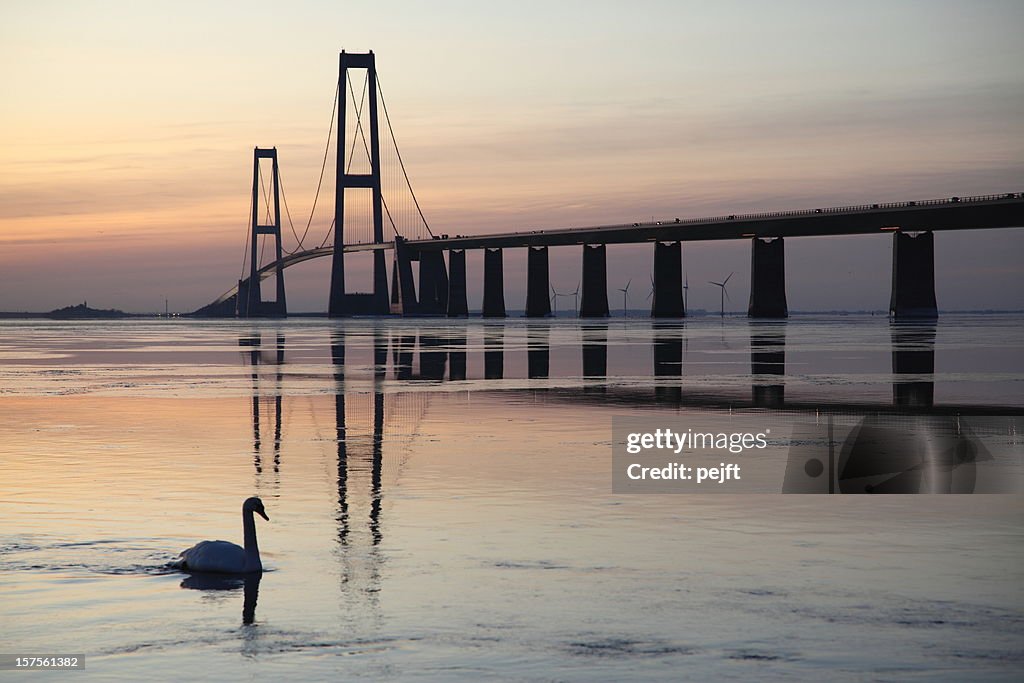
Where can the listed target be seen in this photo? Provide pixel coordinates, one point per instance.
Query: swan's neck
(252, 549)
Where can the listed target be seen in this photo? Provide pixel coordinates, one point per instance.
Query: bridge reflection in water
(910, 444)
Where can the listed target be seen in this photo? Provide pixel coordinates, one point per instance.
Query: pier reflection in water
(917, 453)
(457, 357)
(768, 359)
(905, 446)
(668, 343)
(595, 357)
(494, 351)
(908, 448)
(538, 352)
(913, 353)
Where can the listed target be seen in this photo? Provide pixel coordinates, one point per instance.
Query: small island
(82, 312)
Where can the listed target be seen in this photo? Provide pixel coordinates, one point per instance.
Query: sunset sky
(126, 134)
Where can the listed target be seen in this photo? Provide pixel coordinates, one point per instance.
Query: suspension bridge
(376, 210)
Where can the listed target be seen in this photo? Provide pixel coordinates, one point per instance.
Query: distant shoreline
(637, 314)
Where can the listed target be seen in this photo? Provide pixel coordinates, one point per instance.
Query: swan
(224, 557)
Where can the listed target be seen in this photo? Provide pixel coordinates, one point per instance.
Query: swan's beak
(263, 514)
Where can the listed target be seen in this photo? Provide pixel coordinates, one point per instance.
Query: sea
(442, 504)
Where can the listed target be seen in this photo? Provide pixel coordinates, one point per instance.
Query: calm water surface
(441, 504)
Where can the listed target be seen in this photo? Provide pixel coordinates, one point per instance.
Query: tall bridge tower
(343, 303)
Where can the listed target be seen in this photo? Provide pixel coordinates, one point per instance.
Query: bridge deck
(990, 211)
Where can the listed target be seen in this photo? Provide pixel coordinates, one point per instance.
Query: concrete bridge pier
(767, 278)
(538, 303)
(458, 306)
(594, 299)
(667, 301)
(433, 299)
(913, 276)
(403, 288)
(494, 284)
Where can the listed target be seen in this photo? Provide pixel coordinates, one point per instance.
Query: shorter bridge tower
(250, 301)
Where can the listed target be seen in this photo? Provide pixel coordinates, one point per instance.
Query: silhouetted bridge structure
(440, 288)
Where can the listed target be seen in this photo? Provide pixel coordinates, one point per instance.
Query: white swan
(224, 557)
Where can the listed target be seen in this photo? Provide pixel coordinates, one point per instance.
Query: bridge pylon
(249, 302)
(767, 278)
(341, 302)
(913, 275)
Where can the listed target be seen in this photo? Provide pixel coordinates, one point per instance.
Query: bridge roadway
(989, 211)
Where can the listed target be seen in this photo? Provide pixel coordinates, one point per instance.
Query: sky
(127, 129)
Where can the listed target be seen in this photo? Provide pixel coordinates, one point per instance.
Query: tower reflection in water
(359, 439)
(256, 356)
(361, 454)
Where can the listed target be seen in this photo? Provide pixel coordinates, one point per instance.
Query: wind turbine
(555, 294)
(625, 294)
(686, 286)
(686, 280)
(576, 298)
(554, 300)
(725, 294)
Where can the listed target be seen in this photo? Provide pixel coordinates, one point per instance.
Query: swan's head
(254, 504)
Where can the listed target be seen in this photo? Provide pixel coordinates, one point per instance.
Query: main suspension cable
(288, 213)
(323, 165)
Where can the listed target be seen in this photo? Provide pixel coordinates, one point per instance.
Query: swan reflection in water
(250, 583)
